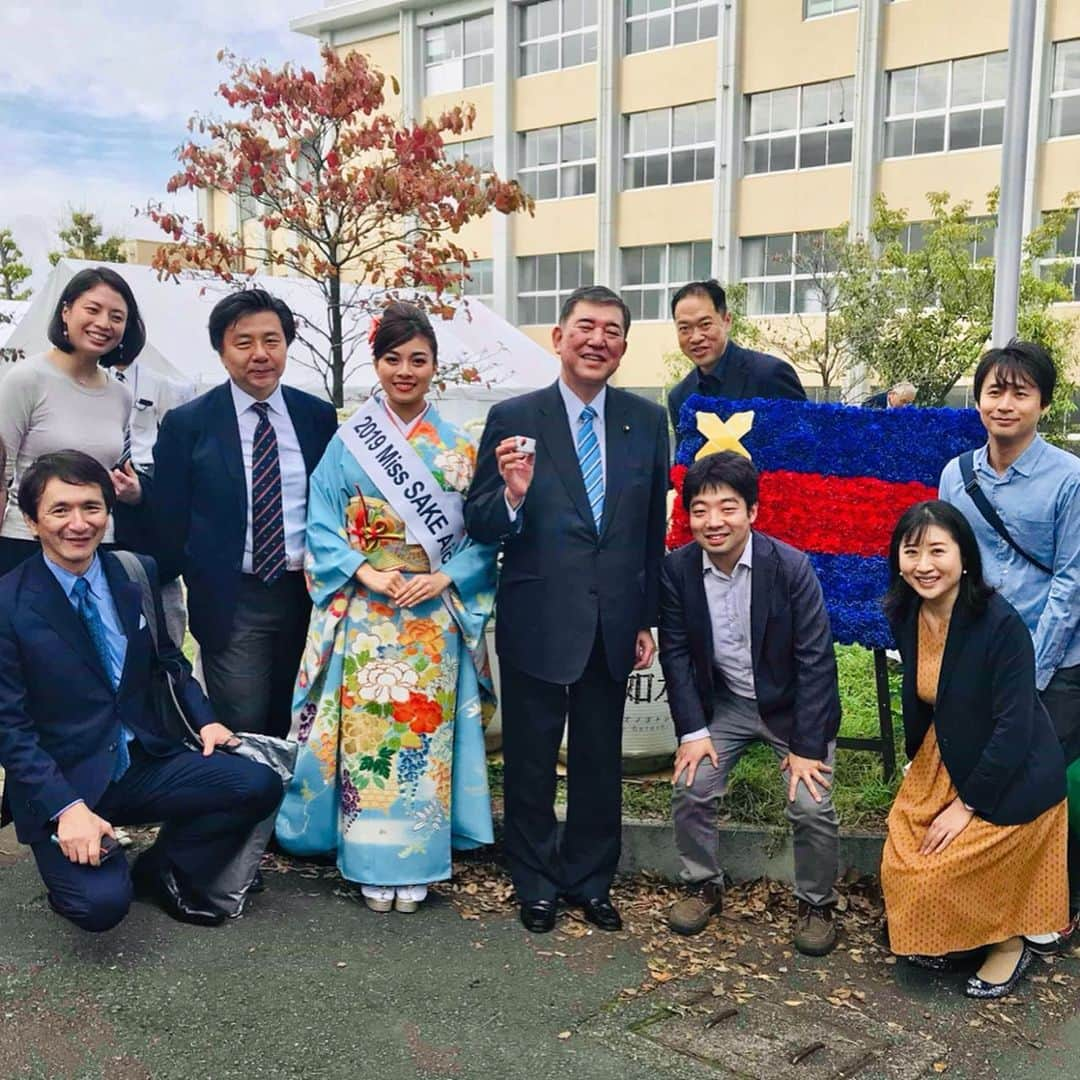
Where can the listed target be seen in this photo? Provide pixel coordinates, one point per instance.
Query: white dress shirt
(294, 478)
(727, 597)
(152, 396)
(574, 405)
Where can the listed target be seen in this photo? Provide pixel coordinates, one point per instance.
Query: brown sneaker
(815, 931)
(691, 915)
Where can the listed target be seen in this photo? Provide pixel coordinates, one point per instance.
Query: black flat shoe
(164, 890)
(978, 988)
(601, 912)
(538, 916)
(931, 963)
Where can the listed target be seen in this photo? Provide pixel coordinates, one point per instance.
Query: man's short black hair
(70, 466)
(716, 470)
(595, 294)
(711, 288)
(229, 310)
(131, 344)
(1019, 361)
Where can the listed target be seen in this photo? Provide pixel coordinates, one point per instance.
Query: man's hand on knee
(810, 771)
(79, 831)
(690, 755)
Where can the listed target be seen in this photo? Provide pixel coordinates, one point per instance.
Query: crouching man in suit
(79, 743)
(748, 656)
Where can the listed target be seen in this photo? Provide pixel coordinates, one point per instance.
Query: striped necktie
(267, 513)
(592, 469)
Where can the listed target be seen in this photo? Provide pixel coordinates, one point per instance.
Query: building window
(556, 34)
(1065, 95)
(913, 238)
(459, 54)
(813, 8)
(954, 105)
(480, 284)
(777, 273)
(801, 127)
(480, 153)
(558, 162)
(669, 146)
(1067, 253)
(650, 275)
(545, 281)
(656, 24)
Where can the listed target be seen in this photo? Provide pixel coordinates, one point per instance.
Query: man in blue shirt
(81, 748)
(1034, 490)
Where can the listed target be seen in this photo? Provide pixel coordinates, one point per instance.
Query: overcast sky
(95, 95)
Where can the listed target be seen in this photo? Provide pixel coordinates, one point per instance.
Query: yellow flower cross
(723, 434)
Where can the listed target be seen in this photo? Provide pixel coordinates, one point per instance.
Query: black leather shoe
(538, 916)
(164, 890)
(258, 883)
(601, 912)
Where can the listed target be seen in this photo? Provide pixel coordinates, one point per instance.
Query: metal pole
(1014, 164)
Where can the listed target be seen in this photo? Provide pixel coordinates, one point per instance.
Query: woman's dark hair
(131, 344)
(71, 466)
(912, 526)
(1019, 361)
(401, 322)
(716, 470)
(711, 289)
(231, 309)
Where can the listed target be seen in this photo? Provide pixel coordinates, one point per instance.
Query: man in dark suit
(748, 657)
(581, 522)
(81, 749)
(229, 497)
(722, 368)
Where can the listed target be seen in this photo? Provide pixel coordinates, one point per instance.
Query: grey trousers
(174, 610)
(736, 724)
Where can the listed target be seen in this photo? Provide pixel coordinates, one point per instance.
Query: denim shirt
(1038, 499)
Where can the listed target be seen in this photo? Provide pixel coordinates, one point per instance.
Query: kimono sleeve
(330, 561)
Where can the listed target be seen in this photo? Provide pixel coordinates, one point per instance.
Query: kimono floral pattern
(390, 701)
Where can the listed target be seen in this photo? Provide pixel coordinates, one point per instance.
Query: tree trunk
(337, 355)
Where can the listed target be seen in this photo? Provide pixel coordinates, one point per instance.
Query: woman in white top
(63, 399)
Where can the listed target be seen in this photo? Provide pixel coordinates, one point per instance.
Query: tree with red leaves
(344, 193)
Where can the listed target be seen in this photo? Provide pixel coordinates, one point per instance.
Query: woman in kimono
(391, 771)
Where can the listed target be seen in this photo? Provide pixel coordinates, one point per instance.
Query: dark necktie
(267, 513)
(88, 612)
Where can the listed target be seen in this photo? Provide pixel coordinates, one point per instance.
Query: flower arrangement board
(834, 481)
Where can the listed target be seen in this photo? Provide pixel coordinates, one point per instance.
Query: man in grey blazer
(748, 657)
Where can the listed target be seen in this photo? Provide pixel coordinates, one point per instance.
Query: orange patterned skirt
(991, 883)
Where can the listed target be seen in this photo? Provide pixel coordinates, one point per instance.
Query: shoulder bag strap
(982, 504)
(136, 572)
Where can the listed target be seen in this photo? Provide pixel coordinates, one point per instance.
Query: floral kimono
(391, 771)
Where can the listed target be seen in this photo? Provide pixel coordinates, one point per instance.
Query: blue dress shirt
(1038, 499)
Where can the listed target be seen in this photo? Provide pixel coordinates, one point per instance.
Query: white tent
(11, 313)
(176, 314)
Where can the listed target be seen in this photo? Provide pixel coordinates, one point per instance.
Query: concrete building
(671, 139)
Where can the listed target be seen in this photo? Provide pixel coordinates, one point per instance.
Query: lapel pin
(626, 427)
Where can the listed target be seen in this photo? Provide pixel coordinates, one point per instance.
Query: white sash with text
(434, 517)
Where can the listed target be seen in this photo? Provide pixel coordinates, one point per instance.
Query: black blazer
(559, 576)
(59, 714)
(741, 373)
(795, 676)
(199, 498)
(995, 736)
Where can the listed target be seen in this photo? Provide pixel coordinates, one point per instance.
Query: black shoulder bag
(166, 680)
(982, 503)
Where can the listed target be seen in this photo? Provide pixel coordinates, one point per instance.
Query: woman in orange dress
(975, 853)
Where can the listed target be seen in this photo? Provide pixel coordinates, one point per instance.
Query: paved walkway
(311, 984)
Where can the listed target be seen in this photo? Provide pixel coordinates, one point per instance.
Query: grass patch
(755, 794)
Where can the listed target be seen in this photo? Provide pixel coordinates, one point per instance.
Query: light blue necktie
(88, 612)
(592, 469)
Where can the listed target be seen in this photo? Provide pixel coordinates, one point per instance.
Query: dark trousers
(1062, 700)
(534, 713)
(208, 807)
(250, 682)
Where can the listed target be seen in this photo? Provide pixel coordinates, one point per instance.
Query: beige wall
(1059, 172)
(480, 96)
(664, 215)
(1063, 19)
(924, 31)
(665, 77)
(964, 174)
(559, 225)
(555, 97)
(796, 50)
(794, 201)
(477, 236)
(385, 54)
